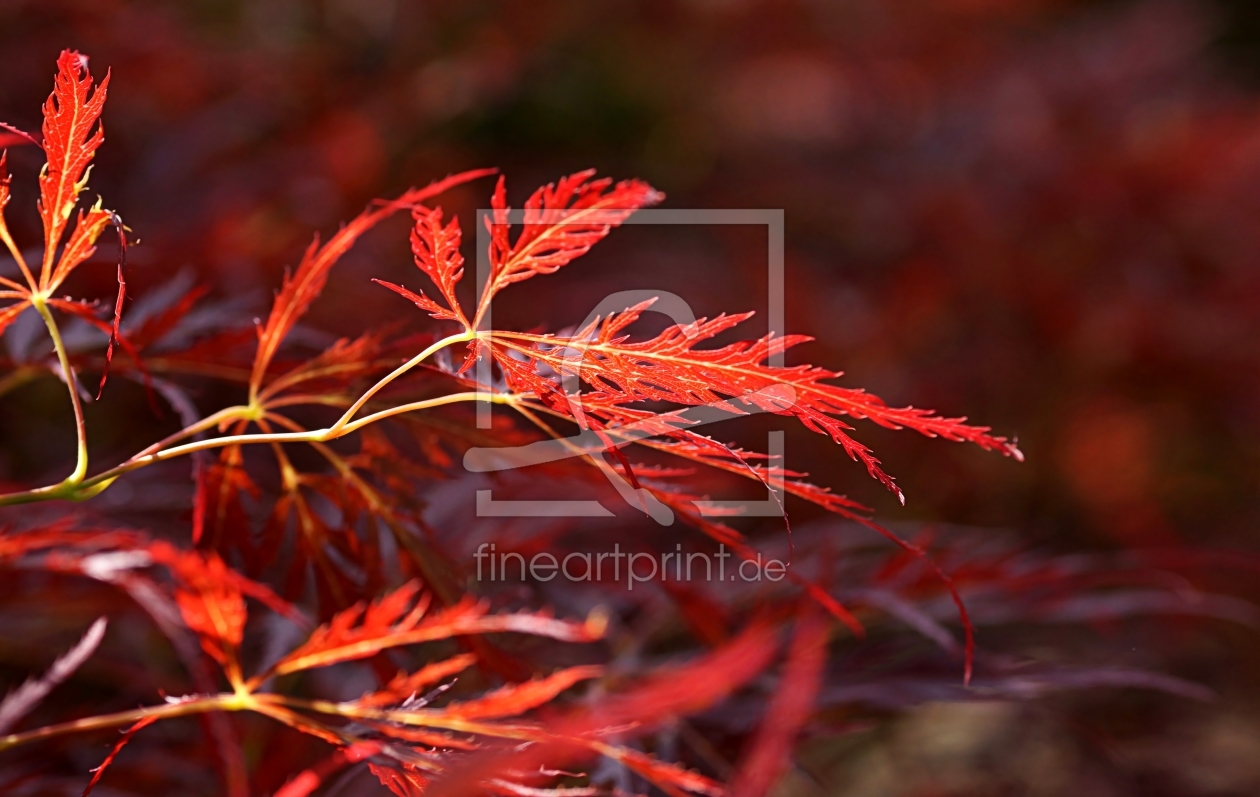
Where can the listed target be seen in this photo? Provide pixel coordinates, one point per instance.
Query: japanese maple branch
(221, 702)
(223, 416)
(77, 487)
(416, 717)
(17, 256)
(265, 704)
(345, 419)
(93, 486)
(81, 464)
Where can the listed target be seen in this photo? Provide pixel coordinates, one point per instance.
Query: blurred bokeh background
(1042, 213)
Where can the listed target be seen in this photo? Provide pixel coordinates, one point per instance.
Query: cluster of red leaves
(325, 528)
(561, 222)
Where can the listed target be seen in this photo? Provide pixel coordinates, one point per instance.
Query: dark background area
(1041, 214)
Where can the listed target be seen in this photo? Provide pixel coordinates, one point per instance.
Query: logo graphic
(588, 443)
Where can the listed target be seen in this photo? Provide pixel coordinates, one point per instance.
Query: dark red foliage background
(1042, 214)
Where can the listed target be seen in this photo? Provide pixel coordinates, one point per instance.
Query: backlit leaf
(72, 134)
(307, 281)
(399, 619)
(562, 221)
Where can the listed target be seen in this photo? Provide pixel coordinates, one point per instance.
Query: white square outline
(776, 314)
